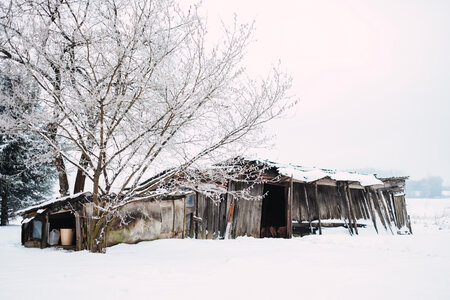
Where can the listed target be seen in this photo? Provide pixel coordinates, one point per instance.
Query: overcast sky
(373, 78)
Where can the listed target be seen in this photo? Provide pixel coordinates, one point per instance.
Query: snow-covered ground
(332, 266)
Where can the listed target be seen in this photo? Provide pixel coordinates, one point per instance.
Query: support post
(352, 210)
(317, 206)
(78, 232)
(307, 208)
(349, 212)
(289, 209)
(183, 234)
(45, 228)
(229, 220)
(369, 203)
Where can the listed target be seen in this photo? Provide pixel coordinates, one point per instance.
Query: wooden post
(376, 204)
(397, 212)
(352, 210)
(307, 208)
(390, 208)
(45, 229)
(409, 225)
(349, 213)
(78, 232)
(229, 220)
(317, 206)
(183, 234)
(372, 213)
(196, 215)
(173, 217)
(383, 206)
(289, 209)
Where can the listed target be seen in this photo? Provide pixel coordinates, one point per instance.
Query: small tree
(132, 87)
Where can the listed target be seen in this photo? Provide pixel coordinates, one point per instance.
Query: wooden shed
(284, 200)
(295, 200)
(147, 218)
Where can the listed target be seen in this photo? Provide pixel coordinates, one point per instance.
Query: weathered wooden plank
(376, 203)
(247, 214)
(178, 216)
(216, 210)
(296, 206)
(384, 210)
(349, 209)
(365, 204)
(372, 213)
(309, 217)
(202, 214)
(184, 218)
(299, 193)
(223, 216)
(318, 210)
(45, 230)
(289, 209)
(210, 218)
(167, 216)
(229, 219)
(78, 237)
(325, 224)
(388, 203)
(355, 204)
(352, 211)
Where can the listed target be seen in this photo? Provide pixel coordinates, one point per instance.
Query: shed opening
(273, 218)
(60, 221)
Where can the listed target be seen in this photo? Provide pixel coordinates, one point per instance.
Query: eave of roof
(312, 174)
(48, 203)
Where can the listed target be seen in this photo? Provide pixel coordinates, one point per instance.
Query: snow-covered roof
(311, 174)
(45, 204)
(162, 192)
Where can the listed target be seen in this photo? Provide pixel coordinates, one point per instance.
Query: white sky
(372, 78)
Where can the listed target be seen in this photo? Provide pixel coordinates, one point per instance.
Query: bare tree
(130, 87)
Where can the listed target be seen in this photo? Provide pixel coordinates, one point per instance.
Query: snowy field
(332, 266)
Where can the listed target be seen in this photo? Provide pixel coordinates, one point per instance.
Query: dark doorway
(273, 219)
(62, 220)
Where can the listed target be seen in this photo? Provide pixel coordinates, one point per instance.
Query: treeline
(429, 187)
(27, 172)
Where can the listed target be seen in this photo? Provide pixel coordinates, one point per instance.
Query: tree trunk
(59, 163)
(4, 213)
(62, 175)
(81, 177)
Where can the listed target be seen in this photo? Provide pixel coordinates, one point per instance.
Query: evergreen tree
(26, 173)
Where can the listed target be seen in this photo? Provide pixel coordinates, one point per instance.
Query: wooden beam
(369, 203)
(307, 207)
(230, 219)
(352, 210)
(325, 224)
(331, 182)
(183, 235)
(349, 213)
(383, 207)
(78, 238)
(316, 193)
(45, 229)
(289, 209)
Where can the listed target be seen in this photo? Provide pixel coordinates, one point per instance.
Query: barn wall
(146, 221)
(342, 202)
(247, 213)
